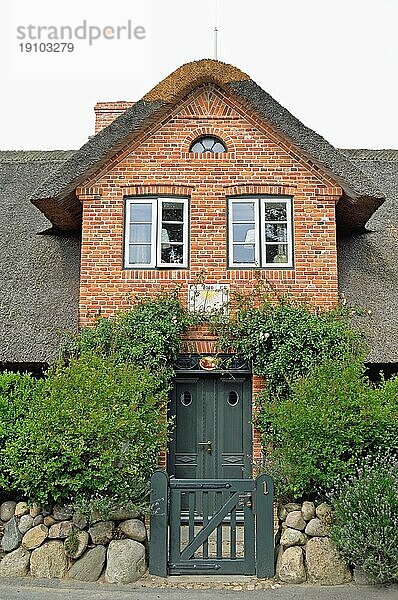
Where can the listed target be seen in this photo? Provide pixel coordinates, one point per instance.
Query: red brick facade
(258, 161)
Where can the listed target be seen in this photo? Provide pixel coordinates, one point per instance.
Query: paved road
(26, 589)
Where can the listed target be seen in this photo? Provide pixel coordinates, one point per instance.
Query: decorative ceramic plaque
(207, 298)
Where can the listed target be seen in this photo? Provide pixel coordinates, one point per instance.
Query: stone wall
(304, 549)
(56, 542)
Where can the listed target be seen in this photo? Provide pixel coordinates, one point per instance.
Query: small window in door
(233, 398)
(186, 398)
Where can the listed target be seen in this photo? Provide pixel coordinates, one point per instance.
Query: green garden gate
(211, 526)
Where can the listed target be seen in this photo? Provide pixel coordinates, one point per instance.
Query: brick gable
(258, 161)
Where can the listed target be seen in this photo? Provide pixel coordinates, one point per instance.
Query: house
(209, 179)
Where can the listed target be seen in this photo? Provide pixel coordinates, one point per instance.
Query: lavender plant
(365, 525)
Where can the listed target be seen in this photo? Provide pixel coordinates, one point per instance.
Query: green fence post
(158, 547)
(265, 527)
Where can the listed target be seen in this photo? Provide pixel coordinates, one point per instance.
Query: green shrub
(332, 418)
(286, 340)
(148, 334)
(17, 392)
(365, 525)
(95, 429)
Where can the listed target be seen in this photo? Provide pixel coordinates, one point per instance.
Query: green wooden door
(212, 435)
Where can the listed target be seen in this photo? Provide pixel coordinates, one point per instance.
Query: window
(260, 232)
(208, 145)
(156, 232)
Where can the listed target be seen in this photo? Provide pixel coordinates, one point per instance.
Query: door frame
(189, 367)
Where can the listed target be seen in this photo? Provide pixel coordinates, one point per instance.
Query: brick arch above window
(208, 132)
(277, 189)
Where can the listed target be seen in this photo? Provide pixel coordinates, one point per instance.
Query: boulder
(21, 509)
(79, 520)
(282, 512)
(102, 532)
(81, 538)
(61, 529)
(49, 520)
(295, 520)
(308, 510)
(125, 561)
(95, 516)
(291, 566)
(7, 510)
(293, 537)
(122, 514)
(35, 510)
(35, 537)
(89, 567)
(62, 513)
(25, 523)
(15, 564)
(134, 529)
(290, 506)
(11, 535)
(323, 511)
(316, 528)
(324, 564)
(49, 561)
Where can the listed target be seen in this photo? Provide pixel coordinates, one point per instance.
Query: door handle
(209, 449)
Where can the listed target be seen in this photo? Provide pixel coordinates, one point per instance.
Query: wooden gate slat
(203, 535)
(233, 533)
(191, 516)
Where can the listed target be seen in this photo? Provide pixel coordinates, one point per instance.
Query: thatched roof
(39, 273)
(368, 262)
(56, 196)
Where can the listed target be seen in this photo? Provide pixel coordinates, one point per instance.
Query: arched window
(208, 144)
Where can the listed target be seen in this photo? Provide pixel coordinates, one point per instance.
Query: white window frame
(289, 230)
(246, 200)
(184, 202)
(259, 234)
(156, 233)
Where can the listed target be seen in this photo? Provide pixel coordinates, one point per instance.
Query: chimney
(106, 112)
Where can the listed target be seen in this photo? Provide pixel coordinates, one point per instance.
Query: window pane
(140, 254)
(172, 254)
(243, 211)
(243, 254)
(275, 211)
(208, 143)
(277, 253)
(218, 147)
(244, 233)
(141, 213)
(172, 211)
(276, 232)
(140, 232)
(172, 233)
(197, 147)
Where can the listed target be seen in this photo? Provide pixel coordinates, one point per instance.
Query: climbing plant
(148, 335)
(284, 339)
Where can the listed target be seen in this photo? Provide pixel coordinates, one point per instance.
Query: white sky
(332, 63)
